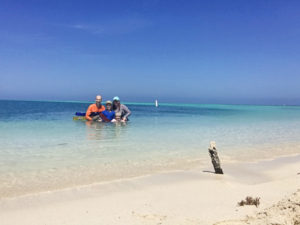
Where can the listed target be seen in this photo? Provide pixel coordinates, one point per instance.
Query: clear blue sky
(242, 51)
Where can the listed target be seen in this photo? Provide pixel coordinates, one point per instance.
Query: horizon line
(150, 103)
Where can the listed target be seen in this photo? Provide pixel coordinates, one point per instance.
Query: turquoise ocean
(43, 149)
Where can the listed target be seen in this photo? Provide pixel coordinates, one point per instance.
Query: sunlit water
(42, 148)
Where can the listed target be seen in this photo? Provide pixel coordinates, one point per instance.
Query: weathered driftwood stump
(215, 158)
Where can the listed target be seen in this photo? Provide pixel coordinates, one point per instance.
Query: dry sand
(181, 197)
(286, 211)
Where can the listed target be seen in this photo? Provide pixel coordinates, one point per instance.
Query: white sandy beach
(181, 197)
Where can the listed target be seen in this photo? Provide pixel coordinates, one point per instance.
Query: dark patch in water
(62, 144)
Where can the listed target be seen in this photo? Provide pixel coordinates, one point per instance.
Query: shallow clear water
(42, 148)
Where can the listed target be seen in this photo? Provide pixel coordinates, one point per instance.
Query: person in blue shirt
(108, 114)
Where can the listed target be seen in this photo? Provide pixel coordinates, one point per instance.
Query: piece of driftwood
(215, 158)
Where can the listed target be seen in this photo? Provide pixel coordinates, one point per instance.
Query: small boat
(79, 116)
(156, 103)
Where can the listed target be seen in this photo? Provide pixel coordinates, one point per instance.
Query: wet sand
(195, 196)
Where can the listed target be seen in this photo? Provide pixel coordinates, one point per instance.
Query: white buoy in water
(156, 103)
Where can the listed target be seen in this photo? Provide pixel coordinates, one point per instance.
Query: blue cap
(116, 98)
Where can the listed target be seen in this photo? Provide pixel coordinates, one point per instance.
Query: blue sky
(177, 51)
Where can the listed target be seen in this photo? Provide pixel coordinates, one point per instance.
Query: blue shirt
(109, 115)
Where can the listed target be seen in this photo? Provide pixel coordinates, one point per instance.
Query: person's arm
(127, 112)
(113, 117)
(103, 116)
(88, 113)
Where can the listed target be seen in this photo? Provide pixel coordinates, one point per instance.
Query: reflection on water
(104, 131)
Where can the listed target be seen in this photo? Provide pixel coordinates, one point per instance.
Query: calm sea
(42, 148)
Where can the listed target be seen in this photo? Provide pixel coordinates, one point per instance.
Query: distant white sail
(156, 103)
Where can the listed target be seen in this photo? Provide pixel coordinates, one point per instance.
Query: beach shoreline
(195, 196)
(43, 149)
(70, 180)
